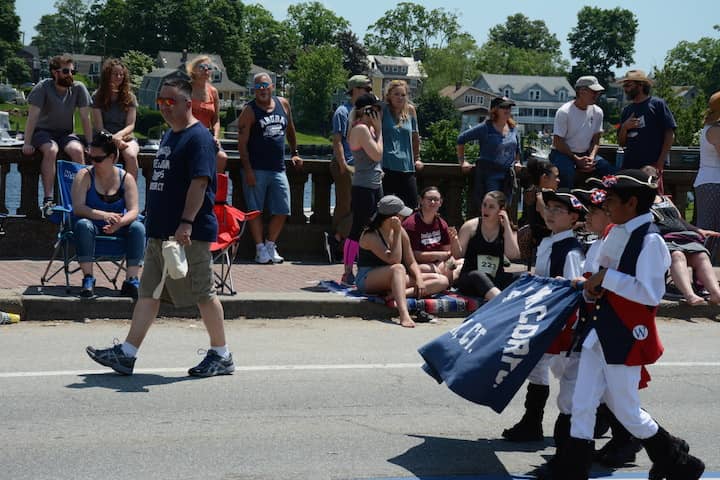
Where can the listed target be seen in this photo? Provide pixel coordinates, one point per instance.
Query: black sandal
(423, 317)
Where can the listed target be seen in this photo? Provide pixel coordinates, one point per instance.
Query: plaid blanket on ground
(448, 302)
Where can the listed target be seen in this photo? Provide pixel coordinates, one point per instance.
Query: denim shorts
(41, 137)
(271, 192)
(362, 273)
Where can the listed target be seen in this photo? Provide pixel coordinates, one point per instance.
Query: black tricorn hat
(590, 198)
(631, 179)
(567, 199)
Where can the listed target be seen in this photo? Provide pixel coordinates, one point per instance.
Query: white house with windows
(471, 102)
(383, 69)
(536, 98)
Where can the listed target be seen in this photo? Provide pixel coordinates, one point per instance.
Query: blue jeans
(85, 232)
(566, 167)
(489, 177)
(270, 193)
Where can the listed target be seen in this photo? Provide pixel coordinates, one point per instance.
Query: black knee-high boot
(561, 434)
(574, 460)
(529, 428)
(670, 458)
(621, 448)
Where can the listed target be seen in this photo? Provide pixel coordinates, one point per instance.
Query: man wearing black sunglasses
(51, 121)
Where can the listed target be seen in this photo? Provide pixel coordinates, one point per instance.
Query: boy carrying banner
(559, 255)
(623, 337)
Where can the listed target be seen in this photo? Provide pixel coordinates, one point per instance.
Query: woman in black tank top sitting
(484, 242)
(386, 262)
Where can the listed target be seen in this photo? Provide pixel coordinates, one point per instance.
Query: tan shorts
(197, 287)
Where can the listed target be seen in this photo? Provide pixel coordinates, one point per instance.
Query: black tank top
(477, 245)
(366, 258)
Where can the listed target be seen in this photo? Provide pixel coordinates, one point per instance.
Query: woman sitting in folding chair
(104, 203)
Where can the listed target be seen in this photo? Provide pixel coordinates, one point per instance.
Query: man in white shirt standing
(576, 134)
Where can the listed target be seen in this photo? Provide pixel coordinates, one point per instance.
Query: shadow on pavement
(437, 456)
(136, 383)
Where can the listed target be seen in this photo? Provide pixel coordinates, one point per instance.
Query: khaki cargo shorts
(198, 285)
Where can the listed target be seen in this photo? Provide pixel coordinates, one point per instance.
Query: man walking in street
(180, 203)
(341, 174)
(262, 127)
(51, 121)
(576, 134)
(647, 126)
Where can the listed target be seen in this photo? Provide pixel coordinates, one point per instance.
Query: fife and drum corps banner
(488, 357)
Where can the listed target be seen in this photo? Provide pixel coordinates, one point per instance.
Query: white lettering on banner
(517, 293)
(537, 296)
(469, 337)
(518, 345)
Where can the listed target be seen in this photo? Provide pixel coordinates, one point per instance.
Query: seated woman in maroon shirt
(430, 237)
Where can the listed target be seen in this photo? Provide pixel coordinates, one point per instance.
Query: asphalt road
(312, 399)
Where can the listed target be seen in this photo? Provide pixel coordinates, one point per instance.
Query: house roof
(414, 66)
(30, 50)
(255, 69)
(520, 83)
(161, 72)
(78, 57)
(453, 92)
(174, 59)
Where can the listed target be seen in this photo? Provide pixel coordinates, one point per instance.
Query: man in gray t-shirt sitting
(51, 121)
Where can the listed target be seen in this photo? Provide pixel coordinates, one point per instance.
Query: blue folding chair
(108, 248)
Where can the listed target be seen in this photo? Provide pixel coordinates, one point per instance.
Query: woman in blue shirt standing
(401, 144)
(499, 151)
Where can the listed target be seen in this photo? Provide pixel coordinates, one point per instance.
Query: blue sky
(662, 24)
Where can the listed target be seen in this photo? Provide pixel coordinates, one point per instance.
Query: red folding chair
(231, 226)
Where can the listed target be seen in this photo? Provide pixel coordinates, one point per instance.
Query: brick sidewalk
(248, 277)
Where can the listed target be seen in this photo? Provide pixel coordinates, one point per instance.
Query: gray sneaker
(113, 357)
(213, 364)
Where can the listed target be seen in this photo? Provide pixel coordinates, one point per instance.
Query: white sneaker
(272, 252)
(261, 255)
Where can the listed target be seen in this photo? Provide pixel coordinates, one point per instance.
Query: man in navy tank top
(263, 125)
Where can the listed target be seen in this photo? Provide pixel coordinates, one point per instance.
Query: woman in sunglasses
(206, 102)
(114, 108)
(105, 203)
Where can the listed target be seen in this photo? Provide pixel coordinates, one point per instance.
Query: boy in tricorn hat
(559, 255)
(623, 336)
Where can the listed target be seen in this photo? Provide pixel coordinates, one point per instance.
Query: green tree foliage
(317, 75)
(455, 63)
(505, 59)
(521, 46)
(693, 63)
(75, 13)
(138, 64)
(222, 35)
(53, 36)
(105, 19)
(603, 39)
(17, 71)
(439, 146)
(411, 29)
(274, 46)
(354, 53)
(521, 32)
(10, 31)
(432, 108)
(316, 24)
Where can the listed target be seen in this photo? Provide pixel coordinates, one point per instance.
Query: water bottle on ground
(7, 318)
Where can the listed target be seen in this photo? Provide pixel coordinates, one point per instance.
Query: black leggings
(477, 283)
(403, 185)
(363, 204)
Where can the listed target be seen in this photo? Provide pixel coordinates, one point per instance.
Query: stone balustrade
(32, 237)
